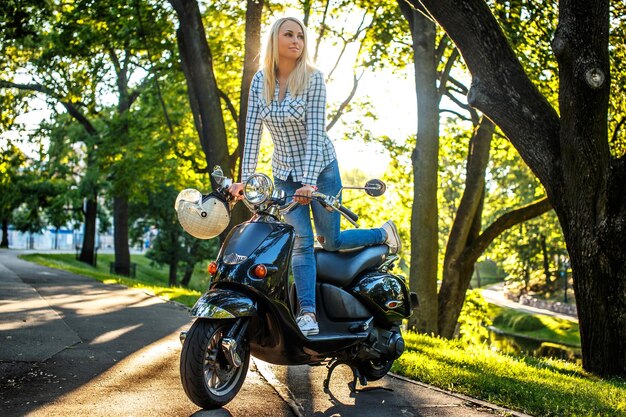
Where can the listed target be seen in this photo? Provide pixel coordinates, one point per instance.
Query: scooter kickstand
(352, 384)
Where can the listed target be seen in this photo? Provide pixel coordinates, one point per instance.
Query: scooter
(251, 304)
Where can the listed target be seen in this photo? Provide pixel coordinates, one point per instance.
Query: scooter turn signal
(260, 271)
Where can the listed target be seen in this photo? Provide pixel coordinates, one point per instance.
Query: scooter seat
(340, 268)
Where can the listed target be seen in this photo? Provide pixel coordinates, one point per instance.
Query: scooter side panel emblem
(393, 304)
(233, 258)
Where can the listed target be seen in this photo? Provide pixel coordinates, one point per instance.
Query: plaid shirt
(297, 126)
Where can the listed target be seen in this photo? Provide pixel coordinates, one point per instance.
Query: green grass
(541, 387)
(536, 326)
(150, 278)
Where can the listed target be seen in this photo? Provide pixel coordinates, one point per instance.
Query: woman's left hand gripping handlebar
(303, 194)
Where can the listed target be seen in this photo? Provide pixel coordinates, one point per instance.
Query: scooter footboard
(223, 304)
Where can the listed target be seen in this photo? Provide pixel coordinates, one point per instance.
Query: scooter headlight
(258, 189)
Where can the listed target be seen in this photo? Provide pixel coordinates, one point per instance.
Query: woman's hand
(304, 193)
(236, 190)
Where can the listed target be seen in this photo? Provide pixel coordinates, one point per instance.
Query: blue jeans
(328, 232)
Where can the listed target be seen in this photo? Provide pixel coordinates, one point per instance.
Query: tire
(373, 370)
(207, 377)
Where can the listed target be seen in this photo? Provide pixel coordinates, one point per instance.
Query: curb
(473, 400)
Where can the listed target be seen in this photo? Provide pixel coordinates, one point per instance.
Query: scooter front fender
(223, 304)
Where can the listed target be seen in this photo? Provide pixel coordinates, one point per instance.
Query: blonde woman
(288, 96)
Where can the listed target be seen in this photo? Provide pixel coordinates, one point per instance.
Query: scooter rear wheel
(207, 377)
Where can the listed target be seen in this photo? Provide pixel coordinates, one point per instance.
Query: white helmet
(203, 217)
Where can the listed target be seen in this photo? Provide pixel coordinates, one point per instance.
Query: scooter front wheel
(208, 378)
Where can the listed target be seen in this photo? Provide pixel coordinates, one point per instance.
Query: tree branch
(504, 222)
(320, 36)
(229, 104)
(458, 84)
(456, 100)
(477, 159)
(70, 107)
(153, 69)
(345, 103)
(443, 79)
(617, 128)
(459, 115)
(441, 47)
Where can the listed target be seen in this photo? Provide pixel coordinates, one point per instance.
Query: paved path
(495, 295)
(71, 346)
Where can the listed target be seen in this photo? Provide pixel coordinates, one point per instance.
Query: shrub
(517, 322)
(474, 318)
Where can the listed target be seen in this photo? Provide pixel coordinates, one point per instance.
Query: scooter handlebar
(330, 203)
(348, 213)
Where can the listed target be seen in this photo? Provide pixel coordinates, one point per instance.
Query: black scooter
(251, 304)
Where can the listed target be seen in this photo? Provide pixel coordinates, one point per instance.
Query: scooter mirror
(375, 187)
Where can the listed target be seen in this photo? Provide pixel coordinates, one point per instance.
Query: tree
(424, 158)
(570, 154)
(12, 164)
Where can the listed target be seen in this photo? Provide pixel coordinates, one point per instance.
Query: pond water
(514, 344)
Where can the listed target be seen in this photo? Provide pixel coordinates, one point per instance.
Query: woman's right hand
(236, 190)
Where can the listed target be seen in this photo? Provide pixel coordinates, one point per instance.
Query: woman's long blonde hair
(299, 77)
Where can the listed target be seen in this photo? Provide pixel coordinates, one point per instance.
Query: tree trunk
(197, 64)
(592, 209)
(5, 233)
(172, 274)
(188, 273)
(424, 215)
(174, 243)
(457, 269)
(546, 260)
(120, 236)
(87, 251)
(254, 12)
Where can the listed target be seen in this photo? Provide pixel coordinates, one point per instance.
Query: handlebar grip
(348, 213)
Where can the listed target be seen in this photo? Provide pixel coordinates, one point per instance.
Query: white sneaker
(393, 239)
(307, 324)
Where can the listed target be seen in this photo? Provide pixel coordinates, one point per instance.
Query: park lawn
(149, 277)
(541, 387)
(535, 386)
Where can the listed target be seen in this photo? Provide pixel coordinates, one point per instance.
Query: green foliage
(518, 323)
(543, 387)
(530, 27)
(474, 318)
(617, 98)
